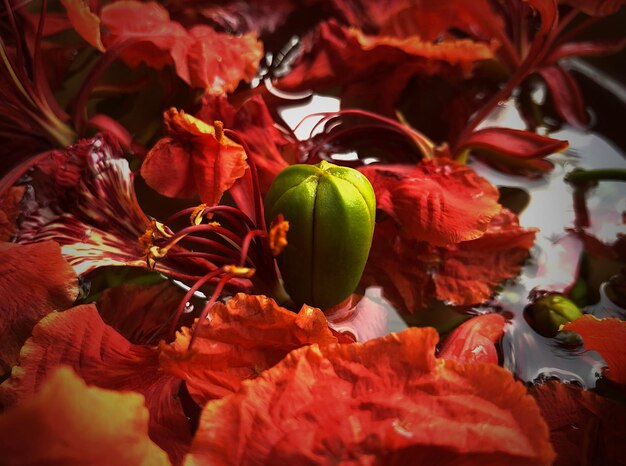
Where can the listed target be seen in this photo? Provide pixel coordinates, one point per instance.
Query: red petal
(140, 312)
(584, 428)
(586, 49)
(9, 211)
(513, 150)
(334, 55)
(34, 280)
(408, 287)
(605, 336)
(252, 119)
(79, 338)
(168, 169)
(71, 424)
(208, 162)
(388, 401)
(439, 201)
(86, 23)
(566, 95)
(474, 340)
(157, 40)
(471, 270)
(242, 338)
(240, 16)
(219, 62)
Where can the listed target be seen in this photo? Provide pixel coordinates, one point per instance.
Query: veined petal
(79, 338)
(387, 401)
(71, 424)
(241, 339)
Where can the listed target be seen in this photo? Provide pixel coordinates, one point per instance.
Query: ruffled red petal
(474, 340)
(34, 280)
(241, 339)
(68, 423)
(387, 401)
(79, 338)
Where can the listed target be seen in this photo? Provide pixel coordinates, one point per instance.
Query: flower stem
(607, 174)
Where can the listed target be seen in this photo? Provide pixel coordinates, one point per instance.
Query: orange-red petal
(79, 338)
(242, 338)
(585, 428)
(474, 340)
(84, 21)
(439, 201)
(387, 401)
(71, 424)
(9, 210)
(606, 336)
(34, 280)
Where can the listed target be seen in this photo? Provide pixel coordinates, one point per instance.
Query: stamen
(207, 307)
(197, 215)
(219, 130)
(278, 235)
(245, 245)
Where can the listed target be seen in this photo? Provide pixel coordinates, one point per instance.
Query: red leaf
(584, 428)
(605, 336)
(387, 401)
(86, 23)
(196, 158)
(71, 424)
(471, 270)
(157, 40)
(218, 62)
(242, 338)
(79, 338)
(566, 96)
(474, 340)
(34, 280)
(438, 201)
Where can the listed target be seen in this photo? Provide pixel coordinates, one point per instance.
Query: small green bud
(549, 312)
(331, 212)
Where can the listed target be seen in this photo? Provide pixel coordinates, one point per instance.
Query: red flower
(473, 341)
(72, 424)
(388, 401)
(194, 158)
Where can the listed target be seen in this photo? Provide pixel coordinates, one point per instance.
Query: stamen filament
(207, 307)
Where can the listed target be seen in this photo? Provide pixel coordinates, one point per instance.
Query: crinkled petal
(84, 21)
(335, 55)
(90, 209)
(474, 340)
(34, 280)
(156, 39)
(606, 336)
(585, 428)
(218, 62)
(242, 338)
(387, 401)
(9, 211)
(140, 313)
(79, 338)
(207, 162)
(440, 202)
(68, 423)
(471, 270)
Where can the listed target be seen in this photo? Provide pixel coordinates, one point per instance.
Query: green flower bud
(549, 312)
(331, 212)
